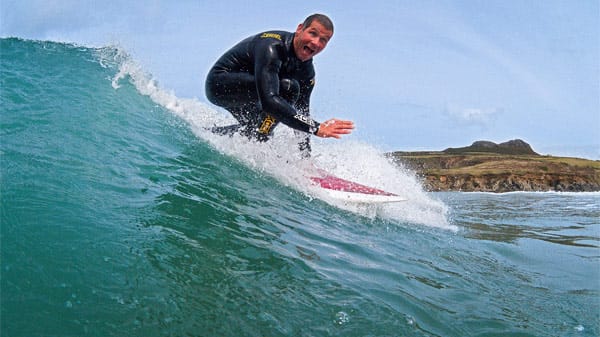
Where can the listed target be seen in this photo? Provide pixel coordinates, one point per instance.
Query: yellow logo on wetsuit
(271, 35)
(266, 125)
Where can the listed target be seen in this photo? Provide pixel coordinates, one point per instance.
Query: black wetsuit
(262, 82)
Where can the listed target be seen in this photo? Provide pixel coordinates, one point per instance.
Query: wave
(119, 211)
(353, 160)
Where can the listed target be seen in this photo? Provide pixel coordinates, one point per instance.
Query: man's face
(311, 40)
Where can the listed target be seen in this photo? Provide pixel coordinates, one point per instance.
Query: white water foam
(352, 160)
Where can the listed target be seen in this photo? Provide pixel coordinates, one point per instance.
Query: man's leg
(236, 92)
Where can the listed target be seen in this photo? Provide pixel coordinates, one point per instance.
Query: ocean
(120, 215)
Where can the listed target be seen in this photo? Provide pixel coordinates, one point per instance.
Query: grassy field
(486, 163)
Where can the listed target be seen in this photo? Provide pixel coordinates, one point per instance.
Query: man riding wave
(267, 79)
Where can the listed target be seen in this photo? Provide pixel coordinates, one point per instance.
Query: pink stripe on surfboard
(339, 184)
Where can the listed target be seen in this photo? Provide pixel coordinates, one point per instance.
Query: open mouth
(309, 50)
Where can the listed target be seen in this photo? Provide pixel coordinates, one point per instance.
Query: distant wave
(582, 194)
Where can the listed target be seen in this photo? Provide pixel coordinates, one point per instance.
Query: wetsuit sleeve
(268, 61)
(303, 107)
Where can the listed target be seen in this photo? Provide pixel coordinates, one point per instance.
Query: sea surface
(121, 216)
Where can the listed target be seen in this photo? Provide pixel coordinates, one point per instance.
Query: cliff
(489, 167)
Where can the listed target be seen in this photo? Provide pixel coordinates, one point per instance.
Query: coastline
(500, 169)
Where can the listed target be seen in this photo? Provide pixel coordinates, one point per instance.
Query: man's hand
(335, 128)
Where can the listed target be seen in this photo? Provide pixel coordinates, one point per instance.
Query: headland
(506, 167)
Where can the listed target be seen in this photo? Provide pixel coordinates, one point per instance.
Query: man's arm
(267, 65)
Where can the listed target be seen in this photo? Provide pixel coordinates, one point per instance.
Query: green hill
(505, 167)
(514, 147)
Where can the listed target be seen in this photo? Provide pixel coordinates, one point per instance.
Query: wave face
(120, 213)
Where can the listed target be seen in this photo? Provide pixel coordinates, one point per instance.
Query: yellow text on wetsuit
(271, 35)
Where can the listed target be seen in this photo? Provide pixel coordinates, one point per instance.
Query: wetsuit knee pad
(289, 89)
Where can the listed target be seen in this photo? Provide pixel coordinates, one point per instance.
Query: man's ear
(299, 28)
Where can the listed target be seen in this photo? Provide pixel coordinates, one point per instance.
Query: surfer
(267, 79)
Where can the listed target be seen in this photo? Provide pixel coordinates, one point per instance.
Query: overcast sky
(413, 75)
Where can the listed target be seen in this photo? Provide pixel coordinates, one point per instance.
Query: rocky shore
(506, 167)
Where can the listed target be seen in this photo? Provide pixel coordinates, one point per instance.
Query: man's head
(312, 36)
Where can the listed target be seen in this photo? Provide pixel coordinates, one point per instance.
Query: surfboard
(350, 191)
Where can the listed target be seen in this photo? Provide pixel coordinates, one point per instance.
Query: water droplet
(579, 328)
(341, 318)
(68, 304)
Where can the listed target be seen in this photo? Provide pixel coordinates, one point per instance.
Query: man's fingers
(335, 128)
(341, 124)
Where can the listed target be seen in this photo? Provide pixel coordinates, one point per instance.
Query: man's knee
(289, 89)
(230, 89)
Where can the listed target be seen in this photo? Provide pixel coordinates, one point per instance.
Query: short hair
(320, 18)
